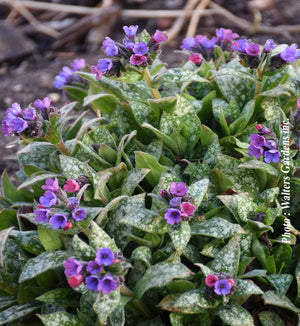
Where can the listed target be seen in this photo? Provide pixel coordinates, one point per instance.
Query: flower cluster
(133, 51)
(219, 285)
(179, 201)
(251, 54)
(30, 121)
(66, 76)
(205, 47)
(105, 273)
(264, 144)
(55, 196)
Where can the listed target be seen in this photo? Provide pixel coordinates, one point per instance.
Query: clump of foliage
(175, 204)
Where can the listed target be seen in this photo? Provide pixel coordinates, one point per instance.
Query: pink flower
(187, 209)
(298, 104)
(231, 281)
(137, 59)
(75, 281)
(159, 36)
(51, 185)
(71, 186)
(196, 58)
(98, 72)
(178, 189)
(211, 280)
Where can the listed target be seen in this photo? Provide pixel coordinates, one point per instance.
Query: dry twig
(192, 29)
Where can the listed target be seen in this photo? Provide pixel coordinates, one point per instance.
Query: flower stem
(148, 80)
(62, 148)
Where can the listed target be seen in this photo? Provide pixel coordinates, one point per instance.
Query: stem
(148, 80)
(62, 148)
(138, 303)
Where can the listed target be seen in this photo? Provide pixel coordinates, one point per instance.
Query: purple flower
(226, 35)
(222, 287)
(49, 199)
(98, 72)
(240, 45)
(58, 221)
(104, 65)
(257, 140)
(178, 189)
(265, 130)
(269, 45)
(129, 44)
(59, 81)
(108, 284)
(175, 202)
(257, 152)
(290, 53)
(14, 111)
(72, 267)
(272, 155)
(43, 104)
(6, 128)
(42, 215)
(159, 36)
(78, 64)
(271, 144)
(79, 214)
(131, 30)
(30, 114)
(104, 256)
(94, 268)
(173, 216)
(17, 125)
(111, 49)
(51, 185)
(140, 48)
(188, 43)
(93, 283)
(205, 41)
(73, 203)
(137, 59)
(253, 49)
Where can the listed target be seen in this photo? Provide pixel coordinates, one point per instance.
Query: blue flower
(72, 267)
(290, 53)
(49, 199)
(188, 43)
(129, 44)
(140, 48)
(104, 65)
(58, 221)
(79, 214)
(73, 203)
(131, 30)
(94, 268)
(272, 155)
(173, 216)
(42, 215)
(30, 114)
(222, 287)
(240, 45)
(104, 256)
(108, 284)
(93, 283)
(175, 202)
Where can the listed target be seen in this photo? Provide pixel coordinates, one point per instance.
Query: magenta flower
(51, 185)
(252, 49)
(222, 287)
(71, 186)
(159, 36)
(137, 59)
(211, 280)
(178, 189)
(187, 209)
(97, 71)
(226, 35)
(196, 58)
(173, 216)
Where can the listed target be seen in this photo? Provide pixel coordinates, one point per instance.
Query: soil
(30, 76)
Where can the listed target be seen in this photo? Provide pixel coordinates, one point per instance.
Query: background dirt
(25, 78)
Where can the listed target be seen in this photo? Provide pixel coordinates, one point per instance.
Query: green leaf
(267, 196)
(146, 220)
(281, 282)
(179, 75)
(235, 315)
(259, 165)
(180, 286)
(216, 227)
(227, 259)
(198, 190)
(131, 181)
(28, 240)
(103, 102)
(273, 298)
(246, 288)
(37, 178)
(60, 297)
(4, 234)
(72, 168)
(270, 318)
(180, 235)
(191, 129)
(8, 218)
(159, 275)
(17, 312)
(190, 302)
(145, 113)
(106, 304)
(207, 136)
(61, 318)
(99, 238)
(254, 273)
(142, 253)
(45, 261)
(246, 114)
(166, 104)
(205, 113)
(50, 239)
(82, 249)
(145, 160)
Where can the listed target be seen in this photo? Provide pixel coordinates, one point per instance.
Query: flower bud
(68, 226)
(75, 281)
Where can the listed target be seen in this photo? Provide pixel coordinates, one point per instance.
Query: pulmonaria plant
(58, 209)
(219, 285)
(179, 201)
(265, 144)
(132, 54)
(105, 273)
